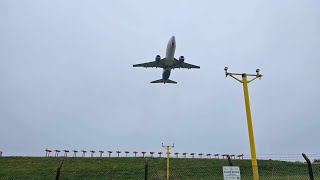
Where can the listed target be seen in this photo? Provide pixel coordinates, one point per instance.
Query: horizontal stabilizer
(170, 81)
(161, 81)
(158, 81)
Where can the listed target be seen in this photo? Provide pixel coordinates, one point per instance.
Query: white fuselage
(171, 47)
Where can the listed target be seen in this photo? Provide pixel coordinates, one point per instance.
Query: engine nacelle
(181, 59)
(158, 58)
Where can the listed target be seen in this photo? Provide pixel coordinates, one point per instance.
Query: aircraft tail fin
(161, 81)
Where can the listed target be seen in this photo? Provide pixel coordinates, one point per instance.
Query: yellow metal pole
(168, 164)
(250, 128)
(168, 158)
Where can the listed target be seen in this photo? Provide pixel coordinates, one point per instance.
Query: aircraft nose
(173, 39)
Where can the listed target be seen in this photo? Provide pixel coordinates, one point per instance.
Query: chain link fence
(155, 169)
(267, 170)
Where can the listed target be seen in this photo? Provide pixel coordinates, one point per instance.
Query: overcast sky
(67, 80)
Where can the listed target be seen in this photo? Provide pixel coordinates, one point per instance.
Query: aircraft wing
(178, 64)
(151, 64)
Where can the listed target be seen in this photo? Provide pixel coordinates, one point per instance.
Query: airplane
(168, 63)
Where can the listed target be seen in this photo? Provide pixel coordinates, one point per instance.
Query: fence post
(58, 171)
(146, 169)
(309, 166)
(229, 160)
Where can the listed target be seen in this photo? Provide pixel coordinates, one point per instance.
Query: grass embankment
(133, 168)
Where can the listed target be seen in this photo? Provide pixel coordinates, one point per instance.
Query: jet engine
(158, 58)
(181, 59)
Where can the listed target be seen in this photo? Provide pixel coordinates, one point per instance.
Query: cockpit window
(172, 44)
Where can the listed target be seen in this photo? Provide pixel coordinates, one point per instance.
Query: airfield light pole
(245, 83)
(168, 157)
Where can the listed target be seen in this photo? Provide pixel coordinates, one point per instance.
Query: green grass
(133, 168)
